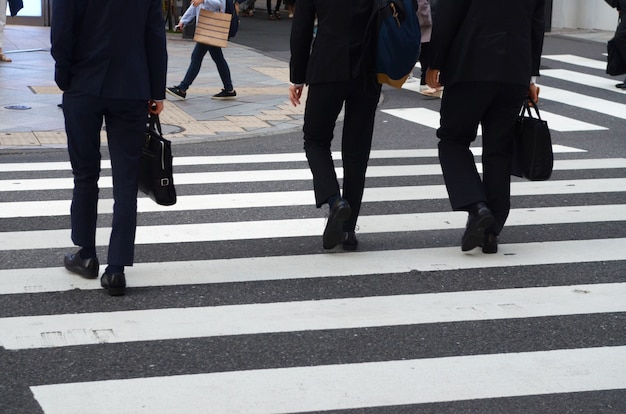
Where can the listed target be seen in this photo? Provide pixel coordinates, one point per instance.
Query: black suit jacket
(330, 57)
(110, 48)
(487, 40)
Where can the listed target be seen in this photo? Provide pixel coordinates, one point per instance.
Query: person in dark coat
(620, 34)
(486, 53)
(339, 68)
(117, 76)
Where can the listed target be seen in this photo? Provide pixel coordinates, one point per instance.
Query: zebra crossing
(234, 307)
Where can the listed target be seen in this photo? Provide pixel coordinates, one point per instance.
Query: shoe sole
(474, 237)
(116, 291)
(86, 275)
(350, 247)
(333, 233)
(113, 290)
(223, 98)
(175, 94)
(489, 249)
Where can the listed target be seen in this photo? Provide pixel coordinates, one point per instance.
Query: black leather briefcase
(533, 158)
(156, 176)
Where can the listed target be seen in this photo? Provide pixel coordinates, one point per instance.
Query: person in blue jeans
(200, 50)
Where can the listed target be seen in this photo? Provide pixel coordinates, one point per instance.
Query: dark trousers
(199, 51)
(424, 61)
(269, 5)
(620, 34)
(464, 106)
(323, 105)
(125, 126)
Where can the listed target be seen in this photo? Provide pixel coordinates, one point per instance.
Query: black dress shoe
(85, 267)
(333, 233)
(621, 86)
(114, 282)
(480, 218)
(350, 241)
(490, 243)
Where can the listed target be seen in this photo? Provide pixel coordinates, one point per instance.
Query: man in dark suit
(339, 68)
(486, 53)
(118, 76)
(620, 33)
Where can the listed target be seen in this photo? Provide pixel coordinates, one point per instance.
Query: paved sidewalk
(30, 117)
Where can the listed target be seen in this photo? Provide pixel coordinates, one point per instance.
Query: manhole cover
(171, 129)
(18, 107)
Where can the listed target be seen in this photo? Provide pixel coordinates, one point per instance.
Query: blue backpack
(234, 22)
(399, 41)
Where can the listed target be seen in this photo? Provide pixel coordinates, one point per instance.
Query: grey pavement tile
(29, 81)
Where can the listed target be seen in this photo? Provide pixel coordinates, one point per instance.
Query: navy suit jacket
(110, 48)
(487, 40)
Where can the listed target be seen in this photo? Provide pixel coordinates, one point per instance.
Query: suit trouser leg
(323, 105)
(463, 107)
(620, 35)
(498, 126)
(126, 126)
(83, 122)
(356, 143)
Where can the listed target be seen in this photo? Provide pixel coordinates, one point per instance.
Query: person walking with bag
(200, 50)
(117, 76)
(340, 70)
(486, 53)
(426, 24)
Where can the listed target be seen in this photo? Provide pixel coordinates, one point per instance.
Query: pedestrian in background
(276, 14)
(290, 5)
(3, 22)
(117, 76)
(486, 53)
(424, 17)
(200, 50)
(247, 8)
(14, 7)
(620, 33)
(339, 69)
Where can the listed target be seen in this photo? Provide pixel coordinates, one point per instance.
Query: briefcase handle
(528, 102)
(154, 124)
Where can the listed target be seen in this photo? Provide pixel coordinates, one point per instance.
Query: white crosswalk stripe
(556, 122)
(430, 118)
(334, 387)
(323, 266)
(150, 325)
(233, 305)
